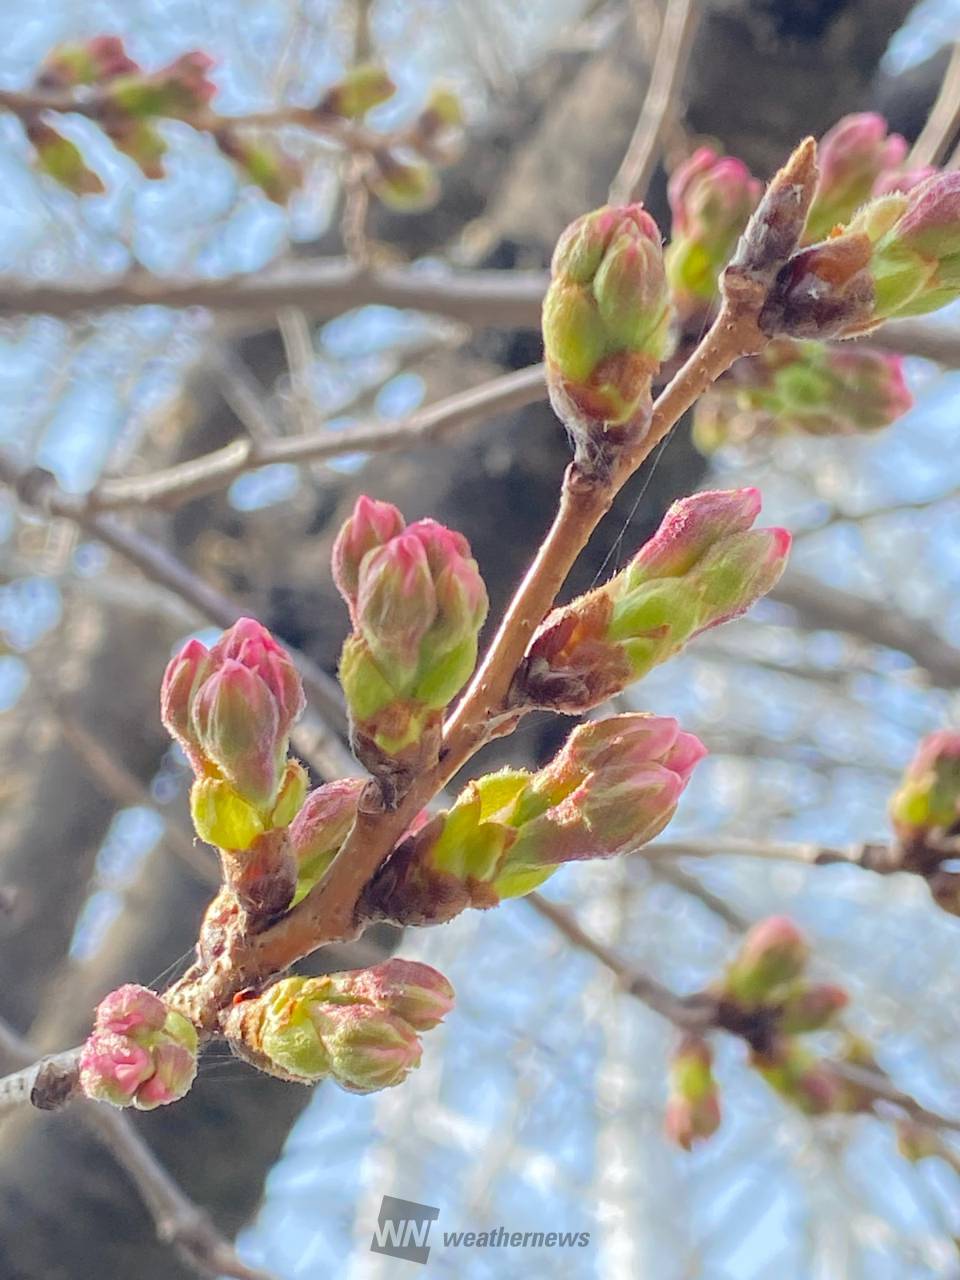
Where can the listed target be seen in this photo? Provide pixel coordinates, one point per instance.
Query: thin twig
(179, 1222)
(188, 480)
(943, 120)
(39, 490)
(698, 1014)
(669, 66)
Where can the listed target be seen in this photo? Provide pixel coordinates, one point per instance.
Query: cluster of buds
(231, 709)
(128, 102)
(765, 994)
(857, 159)
(606, 327)
(898, 256)
(359, 1029)
(141, 1053)
(810, 387)
(705, 565)
(417, 603)
(711, 200)
(693, 1107)
(613, 786)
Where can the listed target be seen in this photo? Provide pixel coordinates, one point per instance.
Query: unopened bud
(928, 799)
(180, 91)
(606, 321)
(800, 1078)
(62, 160)
(359, 1027)
(140, 1053)
(811, 1008)
(320, 828)
(693, 1108)
(263, 163)
(417, 603)
(371, 525)
(711, 198)
(704, 566)
(360, 90)
(810, 387)
(92, 62)
(916, 1141)
(853, 156)
(773, 954)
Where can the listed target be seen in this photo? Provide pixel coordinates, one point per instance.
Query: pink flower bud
(854, 155)
(320, 828)
(417, 603)
(252, 645)
(690, 528)
(130, 1009)
(415, 992)
(811, 1008)
(711, 198)
(606, 322)
(112, 1068)
(140, 1053)
(928, 799)
(810, 387)
(371, 525)
(181, 680)
(237, 727)
(704, 566)
(892, 181)
(693, 1109)
(773, 954)
(396, 606)
(92, 62)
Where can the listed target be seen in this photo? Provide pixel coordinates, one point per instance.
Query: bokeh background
(539, 1104)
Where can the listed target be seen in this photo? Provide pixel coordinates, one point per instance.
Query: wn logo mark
(403, 1229)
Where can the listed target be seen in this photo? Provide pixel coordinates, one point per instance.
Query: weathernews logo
(403, 1231)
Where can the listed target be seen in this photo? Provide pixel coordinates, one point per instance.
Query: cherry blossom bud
(320, 828)
(360, 90)
(231, 709)
(360, 1027)
(808, 387)
(178, 91)
(438, 129)
(140, 1053)
(262, 162)
(800, 1078)
(693, 1108)
(892, 182)
(853, 156)
(403, 182)
(138, 140)
(606, 321)
(711, 198)
(928, 799)
(704, 566)
(773, 954)
(182, 678)
(811, 1008)
(92, 62)
(900, 256)
(776, 225)
(62, 160)
(371, 525)
(417, 603)
(611, 789)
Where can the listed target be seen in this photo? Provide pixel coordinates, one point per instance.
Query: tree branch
(821, 606)
(669, 66)
(188, 480)
(699, 1014)
(943, 120)
(179, 1222)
